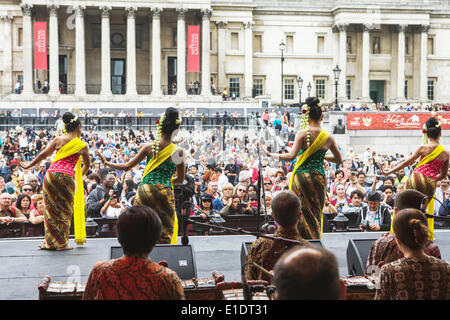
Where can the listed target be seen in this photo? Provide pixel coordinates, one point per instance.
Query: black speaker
(246, 247)
(357, 253)
(180, 259)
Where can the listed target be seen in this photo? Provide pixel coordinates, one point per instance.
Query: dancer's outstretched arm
(143, 152)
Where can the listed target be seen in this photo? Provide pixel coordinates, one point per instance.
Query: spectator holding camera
(354, 184)
(100, 195)
(340, 200)
(357, 203)
(280, 184)
(235, 207)
(375, 217)
(113, 207)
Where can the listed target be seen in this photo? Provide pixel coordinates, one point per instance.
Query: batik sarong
(311, 189)
(161, 199)
(59, 190)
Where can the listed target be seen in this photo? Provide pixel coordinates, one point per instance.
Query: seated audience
(134, 276)
(308, 273)
(385, 249)
(416, 276)
(374, 217)
(286, 210)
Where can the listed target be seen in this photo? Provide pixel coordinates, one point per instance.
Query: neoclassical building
(122, 53)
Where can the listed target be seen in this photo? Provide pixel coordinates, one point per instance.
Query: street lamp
(300, 86)
(309, 87)
(337, 73)
(282, 48)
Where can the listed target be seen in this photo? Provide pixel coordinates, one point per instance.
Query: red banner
(40, 45)
(193, 63)
(393, 121)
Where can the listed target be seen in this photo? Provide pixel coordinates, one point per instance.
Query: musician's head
(409, 199)
(433, 128)
(315, 110)
(286, 208)
(307, 273)
(71, 122)
(171, 121)
(411, 230)
(138, 230)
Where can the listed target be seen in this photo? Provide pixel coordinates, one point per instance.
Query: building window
(431, 46)
(234, 41)
(376, 45)
(430, 90)
(320, 44)
(257, 43)
(289, 89)
(20, 37)
(349, 45)
(289, 44)
(258, 87)
(320, 88)
(407, 46)
(406, 89)
(348, 89)
(235, 86)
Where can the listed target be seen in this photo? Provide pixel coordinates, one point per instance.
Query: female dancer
(433, 166)
(308, 179)
(63, 186)
(156, 188)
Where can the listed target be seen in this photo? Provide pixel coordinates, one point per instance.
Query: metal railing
(116, 123)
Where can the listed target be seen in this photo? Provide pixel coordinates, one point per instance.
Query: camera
(242, 205)
(282, 178)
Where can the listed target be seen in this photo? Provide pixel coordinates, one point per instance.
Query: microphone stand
(185, 237)
(260, 188)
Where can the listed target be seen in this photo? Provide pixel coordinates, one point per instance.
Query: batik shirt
(406, 279)
(132, 278)
(265, 253)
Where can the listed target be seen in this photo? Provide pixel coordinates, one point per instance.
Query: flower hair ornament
(425, 136)
(159, 124)
(305, 123)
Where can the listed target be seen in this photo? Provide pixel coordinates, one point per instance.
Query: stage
(24, 265)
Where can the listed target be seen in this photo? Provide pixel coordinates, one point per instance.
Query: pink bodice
(432, 169)
(65, 165)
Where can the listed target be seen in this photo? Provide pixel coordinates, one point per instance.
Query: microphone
(184, 238)
(269, 227)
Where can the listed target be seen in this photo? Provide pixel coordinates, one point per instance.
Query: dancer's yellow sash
(318, 143)
(72, 147)
(433, 155)
(162, 156)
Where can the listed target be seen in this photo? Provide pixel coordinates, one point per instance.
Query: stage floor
(24, 265)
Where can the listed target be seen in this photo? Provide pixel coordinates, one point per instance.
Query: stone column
(131, 50)
(27, 50)
(401, 63)
(106, 51)
(8, 82)
(181, 52)
(342, 61)
(156, 52)
(221, 50)
(336, 61)
(206, 59)
(366, 62)
(248, 58)
(424, 62)
(80, 64)
(53, 50)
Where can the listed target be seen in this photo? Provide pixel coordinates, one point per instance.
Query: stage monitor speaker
(246, 247)
(357, 253)
(180, 259)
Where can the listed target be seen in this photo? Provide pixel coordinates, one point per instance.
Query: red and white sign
(393, 121)
(193, 63)
(40, 45)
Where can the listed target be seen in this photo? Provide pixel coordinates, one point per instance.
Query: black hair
(19, 201)
(384, 187)
(338, 171)
(358, 193)
(138, 230)
(433, 128)
(169, 125)
(70, 124)
(315, 112)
